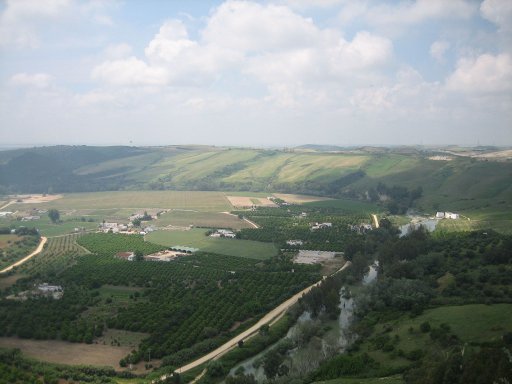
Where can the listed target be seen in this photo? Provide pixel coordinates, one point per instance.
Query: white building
(294, 243)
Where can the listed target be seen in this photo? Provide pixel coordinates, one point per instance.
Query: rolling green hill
(462, 183)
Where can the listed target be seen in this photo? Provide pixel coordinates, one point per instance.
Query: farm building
(130, 256)
(223, 233)
(30, 218)
(447, 215)
(294, 243)
(313, 257)
(316, 226)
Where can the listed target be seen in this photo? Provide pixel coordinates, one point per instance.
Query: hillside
(449, 178)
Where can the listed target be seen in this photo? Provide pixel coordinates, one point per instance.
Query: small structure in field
(447, 215)
(294, 243)
(317, 226)
(361, 228)
(54, 291)
(30, 218)
(130, 256)
(313, 257)
(166, 255)
(224, 233)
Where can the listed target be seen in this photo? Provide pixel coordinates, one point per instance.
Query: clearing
(63, 352)
(196, 238)
(299, 199)
(249, 201)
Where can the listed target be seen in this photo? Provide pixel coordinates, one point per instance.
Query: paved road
(19, 262)
(270, 317)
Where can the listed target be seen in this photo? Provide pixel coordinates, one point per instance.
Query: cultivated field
(196, 238)
(299, 199)
(203, 201)
(249, 201)
(68, 353)
(182, 218)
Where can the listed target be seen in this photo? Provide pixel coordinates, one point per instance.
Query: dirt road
(375, 220)
(19, 262)
(270, 317)
(6, 205)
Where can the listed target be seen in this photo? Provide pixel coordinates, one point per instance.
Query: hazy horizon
(274, 73)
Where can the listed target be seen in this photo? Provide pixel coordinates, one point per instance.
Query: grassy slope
(231, 247)
(471, 323)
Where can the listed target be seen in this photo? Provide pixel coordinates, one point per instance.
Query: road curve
(268, 318)
(35, 252)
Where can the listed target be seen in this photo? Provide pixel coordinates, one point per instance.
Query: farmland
(196, 238)
(182, 218)
(204, 201)
(15, 247)
(176, 311)
(138, 296)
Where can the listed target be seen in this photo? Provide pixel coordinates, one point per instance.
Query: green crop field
(196, 238)
(58, 254)
(183, 218)
(204, 201)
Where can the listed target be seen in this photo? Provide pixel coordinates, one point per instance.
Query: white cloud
(131, 71)
(498, 12)
(19, 19)
(170, 42)
(37, 80)
(438, 50)
(252, 27)
(118, 51)
(485, 74)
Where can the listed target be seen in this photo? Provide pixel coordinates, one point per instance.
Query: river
(307, 357)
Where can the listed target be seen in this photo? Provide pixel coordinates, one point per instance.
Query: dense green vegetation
(279, 225)
(188, 307)
(407, 321)
(16, 245)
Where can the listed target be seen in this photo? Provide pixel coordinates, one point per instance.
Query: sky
(256, 73)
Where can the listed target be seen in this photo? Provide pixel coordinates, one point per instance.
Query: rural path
(6, 205)
(270, 318)
(244, 219)
(375, 220)
(35, 252)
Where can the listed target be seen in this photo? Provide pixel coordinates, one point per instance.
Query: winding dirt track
(269, 318)
(19, 262)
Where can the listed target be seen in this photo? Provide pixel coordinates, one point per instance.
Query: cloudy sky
(260, 73)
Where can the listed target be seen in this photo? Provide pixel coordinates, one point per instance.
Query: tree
(54, 215)
(139, 256)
